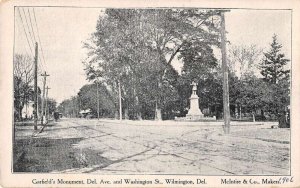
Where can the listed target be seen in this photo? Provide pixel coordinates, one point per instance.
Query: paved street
(148, 147)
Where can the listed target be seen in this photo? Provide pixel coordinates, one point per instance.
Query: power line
(25, 32)
(28, 26)
(38, 35)
(31, 25)
(33, 33)
(32, 36)
(41, 67)
(18, 23)
(41, 64)
(23, 37)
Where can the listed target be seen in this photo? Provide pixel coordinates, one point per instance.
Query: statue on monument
(194, 112)
(194, 89)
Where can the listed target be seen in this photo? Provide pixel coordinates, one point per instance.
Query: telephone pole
(120, 100)
(226, 109)
(43, 99)
(47, 110)
(35, 87)
(97, 99)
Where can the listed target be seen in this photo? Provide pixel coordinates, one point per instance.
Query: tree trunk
(126, 114)
(236, 113)
(116, 111)
(20, 113)
(137, 108)
(158, 103)
(116, 114)
(262, 114)
(139, 116)
(157, 112)
(115, 88)
(20, 110)
(253, 116)
(240, 112)
(161, 74)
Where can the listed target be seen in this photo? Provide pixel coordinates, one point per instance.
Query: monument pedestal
(194, 113)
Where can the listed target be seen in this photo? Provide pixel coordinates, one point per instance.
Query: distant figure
(56, 116)
(283, 120)
(287, 117)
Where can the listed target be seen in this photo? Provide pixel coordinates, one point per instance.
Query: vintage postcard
(149, 94)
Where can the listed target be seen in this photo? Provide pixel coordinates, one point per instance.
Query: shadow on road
(46, 155)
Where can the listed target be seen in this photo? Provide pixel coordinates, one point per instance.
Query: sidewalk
(182, 123)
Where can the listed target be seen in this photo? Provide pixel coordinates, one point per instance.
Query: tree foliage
(275, 72)
(243, 59)
(51, 105)
(268, 92)
(87, 99)
(136, 47)
(23, 78)
(273, 67)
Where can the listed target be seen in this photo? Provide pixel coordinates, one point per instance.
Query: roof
(85, 111)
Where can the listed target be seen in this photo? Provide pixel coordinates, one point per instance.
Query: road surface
(145, 147)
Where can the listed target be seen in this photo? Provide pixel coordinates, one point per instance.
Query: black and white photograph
(154, 90)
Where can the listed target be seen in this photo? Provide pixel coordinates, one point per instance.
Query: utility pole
(35, 87)
(38, 102)
(226, 110)
(43, 99)
(120, 101)
(97, 99)
(46, 106)
(78, 104)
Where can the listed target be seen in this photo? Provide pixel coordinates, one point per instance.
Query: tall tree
(87, 99)
(273, 67)
(244, 59)
(243, 64)
(51, 103)
(137, 47)
(116, 53)
(23, 78)
(175, 32)
(275, 72)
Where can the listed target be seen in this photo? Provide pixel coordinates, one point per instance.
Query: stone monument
(194, 111)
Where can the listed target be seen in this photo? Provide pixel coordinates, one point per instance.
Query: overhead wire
(31, 25)
(27, 38)
(41, 57)
(25, 33)
(38, 35)
(33, 34)
(27, 52)
(32, 40)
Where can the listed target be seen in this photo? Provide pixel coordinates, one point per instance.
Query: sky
(258, 26)
(62, 32)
